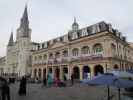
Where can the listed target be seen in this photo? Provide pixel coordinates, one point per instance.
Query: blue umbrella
(105, 79)
(109, 79)
(122, 83)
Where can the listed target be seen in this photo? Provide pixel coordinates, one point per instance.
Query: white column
(61, 72)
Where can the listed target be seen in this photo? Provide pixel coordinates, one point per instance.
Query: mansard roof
(84, 32)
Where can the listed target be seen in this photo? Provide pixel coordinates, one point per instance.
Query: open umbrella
(122, 83)
(105, 79)
(108, 80)
(122, 74)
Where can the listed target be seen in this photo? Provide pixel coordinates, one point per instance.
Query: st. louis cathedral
(18, 54)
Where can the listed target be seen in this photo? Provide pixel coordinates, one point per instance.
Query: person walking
(22, 86)
(65, 79)
(49, 80)
(5, 91)
(44, 81)
(72, 79)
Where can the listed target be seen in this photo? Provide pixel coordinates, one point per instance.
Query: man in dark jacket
(22, 87)
(5, 91)
(44, 81)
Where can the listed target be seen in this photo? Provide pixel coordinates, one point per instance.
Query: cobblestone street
(76, 92)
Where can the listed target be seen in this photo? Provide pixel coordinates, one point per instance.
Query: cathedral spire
(24, 19)
(11, 42)
(24, 30)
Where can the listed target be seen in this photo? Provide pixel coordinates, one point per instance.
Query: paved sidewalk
(76, 92)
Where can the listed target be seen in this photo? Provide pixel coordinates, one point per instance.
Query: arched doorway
(39, 73)
(98, 69)
(35, 73)
(44, 73)
(50, 70)
(65, 73)
(116, 67)
(86, 72)
(57, 73)
(76, 72)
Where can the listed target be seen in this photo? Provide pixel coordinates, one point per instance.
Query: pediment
(57, 44)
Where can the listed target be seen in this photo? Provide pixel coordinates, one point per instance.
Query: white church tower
(23, 44)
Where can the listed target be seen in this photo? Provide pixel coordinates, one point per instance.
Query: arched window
(40, 57)
(44, 56)
(35, 58)
(39, 73)
(85, 50)
(50, 55)
(35, 72)
(75, 52)
(97, 48)
(116, 67)
(57, 54)
(65, 53)
(113, 48)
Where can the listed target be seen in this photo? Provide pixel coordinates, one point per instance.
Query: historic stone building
(18, 54)
(84, 52)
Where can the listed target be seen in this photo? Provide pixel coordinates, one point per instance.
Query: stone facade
(18, 55)
(84, 52)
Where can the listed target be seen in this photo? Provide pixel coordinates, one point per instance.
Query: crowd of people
(47, 81)
(50, 81)
(5, 88)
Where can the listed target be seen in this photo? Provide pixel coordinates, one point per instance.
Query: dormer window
(55, 40)
(84, 32)
(74, 35)
(38, 47)
(61, 39)
(95, 28)
(42, 45)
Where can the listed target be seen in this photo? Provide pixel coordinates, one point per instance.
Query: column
(46, 71)
(61, 72)
(92, 71)
(69, 75)
(53, 72)
(81, 71)
(42, 73)
(37, 73)
(70, 69)
(106, 48)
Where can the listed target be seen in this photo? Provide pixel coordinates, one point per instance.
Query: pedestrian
(5, 91)
(22, 86)
(65, 77)
(72, 79)
(44, 81)
(49, 80)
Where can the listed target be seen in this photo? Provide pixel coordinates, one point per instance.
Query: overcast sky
(52, 18)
